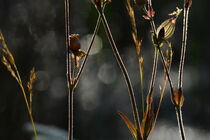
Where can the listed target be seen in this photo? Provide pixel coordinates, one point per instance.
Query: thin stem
(180, 123)
(142, 87)
(166, 70)
(124, 71)
(67, 33)
(184, 46)
(89, 48)
(154, 71)
(26, 101)
(69, 72)
(162, 91)
(70, 113)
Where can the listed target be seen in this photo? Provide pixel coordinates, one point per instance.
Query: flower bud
(74, 42)
(150, 13)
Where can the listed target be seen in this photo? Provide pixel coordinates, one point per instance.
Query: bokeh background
(34, 32)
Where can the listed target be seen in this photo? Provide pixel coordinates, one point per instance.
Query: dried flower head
(178, 98)
(74, 42)
(75, 46)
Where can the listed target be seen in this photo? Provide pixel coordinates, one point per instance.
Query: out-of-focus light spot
(46, 132)
(97, 44)
(165, 131)
(42, 81)
(107, 74)
(89, 97)
(57, 87)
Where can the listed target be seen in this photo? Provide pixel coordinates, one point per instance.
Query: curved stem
(124, 71)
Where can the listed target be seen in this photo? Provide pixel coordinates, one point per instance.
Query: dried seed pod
(178, 98)
(168, 26)
(74, 42)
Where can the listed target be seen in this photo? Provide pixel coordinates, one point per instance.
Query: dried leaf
(147, 122)
(129, 124)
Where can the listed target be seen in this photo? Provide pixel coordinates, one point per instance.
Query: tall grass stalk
(9, 62)
(137, 43)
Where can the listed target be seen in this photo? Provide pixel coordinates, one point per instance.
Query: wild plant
(9, 62)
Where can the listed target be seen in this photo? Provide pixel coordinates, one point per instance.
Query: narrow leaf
(129, 124)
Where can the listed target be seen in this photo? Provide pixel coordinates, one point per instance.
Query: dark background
(34, 32)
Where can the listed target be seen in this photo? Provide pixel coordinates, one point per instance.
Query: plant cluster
(143, 126)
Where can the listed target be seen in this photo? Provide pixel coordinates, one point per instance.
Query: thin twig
(125, 73)
(154, 71)
(166, 70)
(69, 72)
(180, 123)
(184, 46)
(89, 48)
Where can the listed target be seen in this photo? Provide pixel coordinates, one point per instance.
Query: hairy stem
(124, 71)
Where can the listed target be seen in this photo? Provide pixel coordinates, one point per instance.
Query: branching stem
(89, 48)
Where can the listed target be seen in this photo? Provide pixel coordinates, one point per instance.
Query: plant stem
(166, 70)
(184, 46)
(89, 48)
(180, 123)
(142, 86)
(154, 71)
(70, 113)
(69, 72)
(26, 101)
(124, 71)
